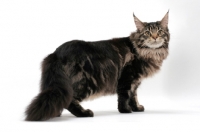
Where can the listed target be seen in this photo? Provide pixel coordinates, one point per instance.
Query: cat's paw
(87, 113)
(58, 115)
(139, 108)
(125, 109)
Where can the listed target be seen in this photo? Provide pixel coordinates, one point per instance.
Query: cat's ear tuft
(138, 23)
(164, 21)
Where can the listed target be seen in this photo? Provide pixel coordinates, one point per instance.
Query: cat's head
(153, 35)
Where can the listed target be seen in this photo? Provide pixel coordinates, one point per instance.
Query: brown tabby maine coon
(80, 70)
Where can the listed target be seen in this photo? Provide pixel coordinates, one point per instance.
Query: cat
(79, 70)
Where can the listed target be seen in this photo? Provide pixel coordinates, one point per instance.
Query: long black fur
(80, 70)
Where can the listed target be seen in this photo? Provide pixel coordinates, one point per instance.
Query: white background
(32, 29)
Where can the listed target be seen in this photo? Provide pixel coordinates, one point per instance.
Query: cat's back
(71, 46)
(79, 49)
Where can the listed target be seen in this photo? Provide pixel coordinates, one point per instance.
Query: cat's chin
(154, 45)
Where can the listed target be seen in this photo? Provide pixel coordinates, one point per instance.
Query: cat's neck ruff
(151, 53)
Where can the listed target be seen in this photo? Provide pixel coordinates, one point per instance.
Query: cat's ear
(164, 21)
(138, 23)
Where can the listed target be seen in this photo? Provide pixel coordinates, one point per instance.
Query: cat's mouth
(154, 42)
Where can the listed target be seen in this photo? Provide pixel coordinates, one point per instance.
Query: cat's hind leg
(76, 109)
(59, 114)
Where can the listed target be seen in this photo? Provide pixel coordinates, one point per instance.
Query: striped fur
(80, 70)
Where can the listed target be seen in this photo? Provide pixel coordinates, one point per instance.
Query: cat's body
(80, 70)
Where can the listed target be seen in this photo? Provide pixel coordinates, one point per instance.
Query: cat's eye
(147, 33)
(160, 32)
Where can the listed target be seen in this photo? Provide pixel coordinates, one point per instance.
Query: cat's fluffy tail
(56, 91)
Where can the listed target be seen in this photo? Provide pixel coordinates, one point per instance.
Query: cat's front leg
(123, 100)
(133, 102)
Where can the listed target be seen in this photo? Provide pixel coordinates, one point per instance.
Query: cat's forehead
(152, 25)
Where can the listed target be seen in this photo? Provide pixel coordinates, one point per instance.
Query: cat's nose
(154, 36)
